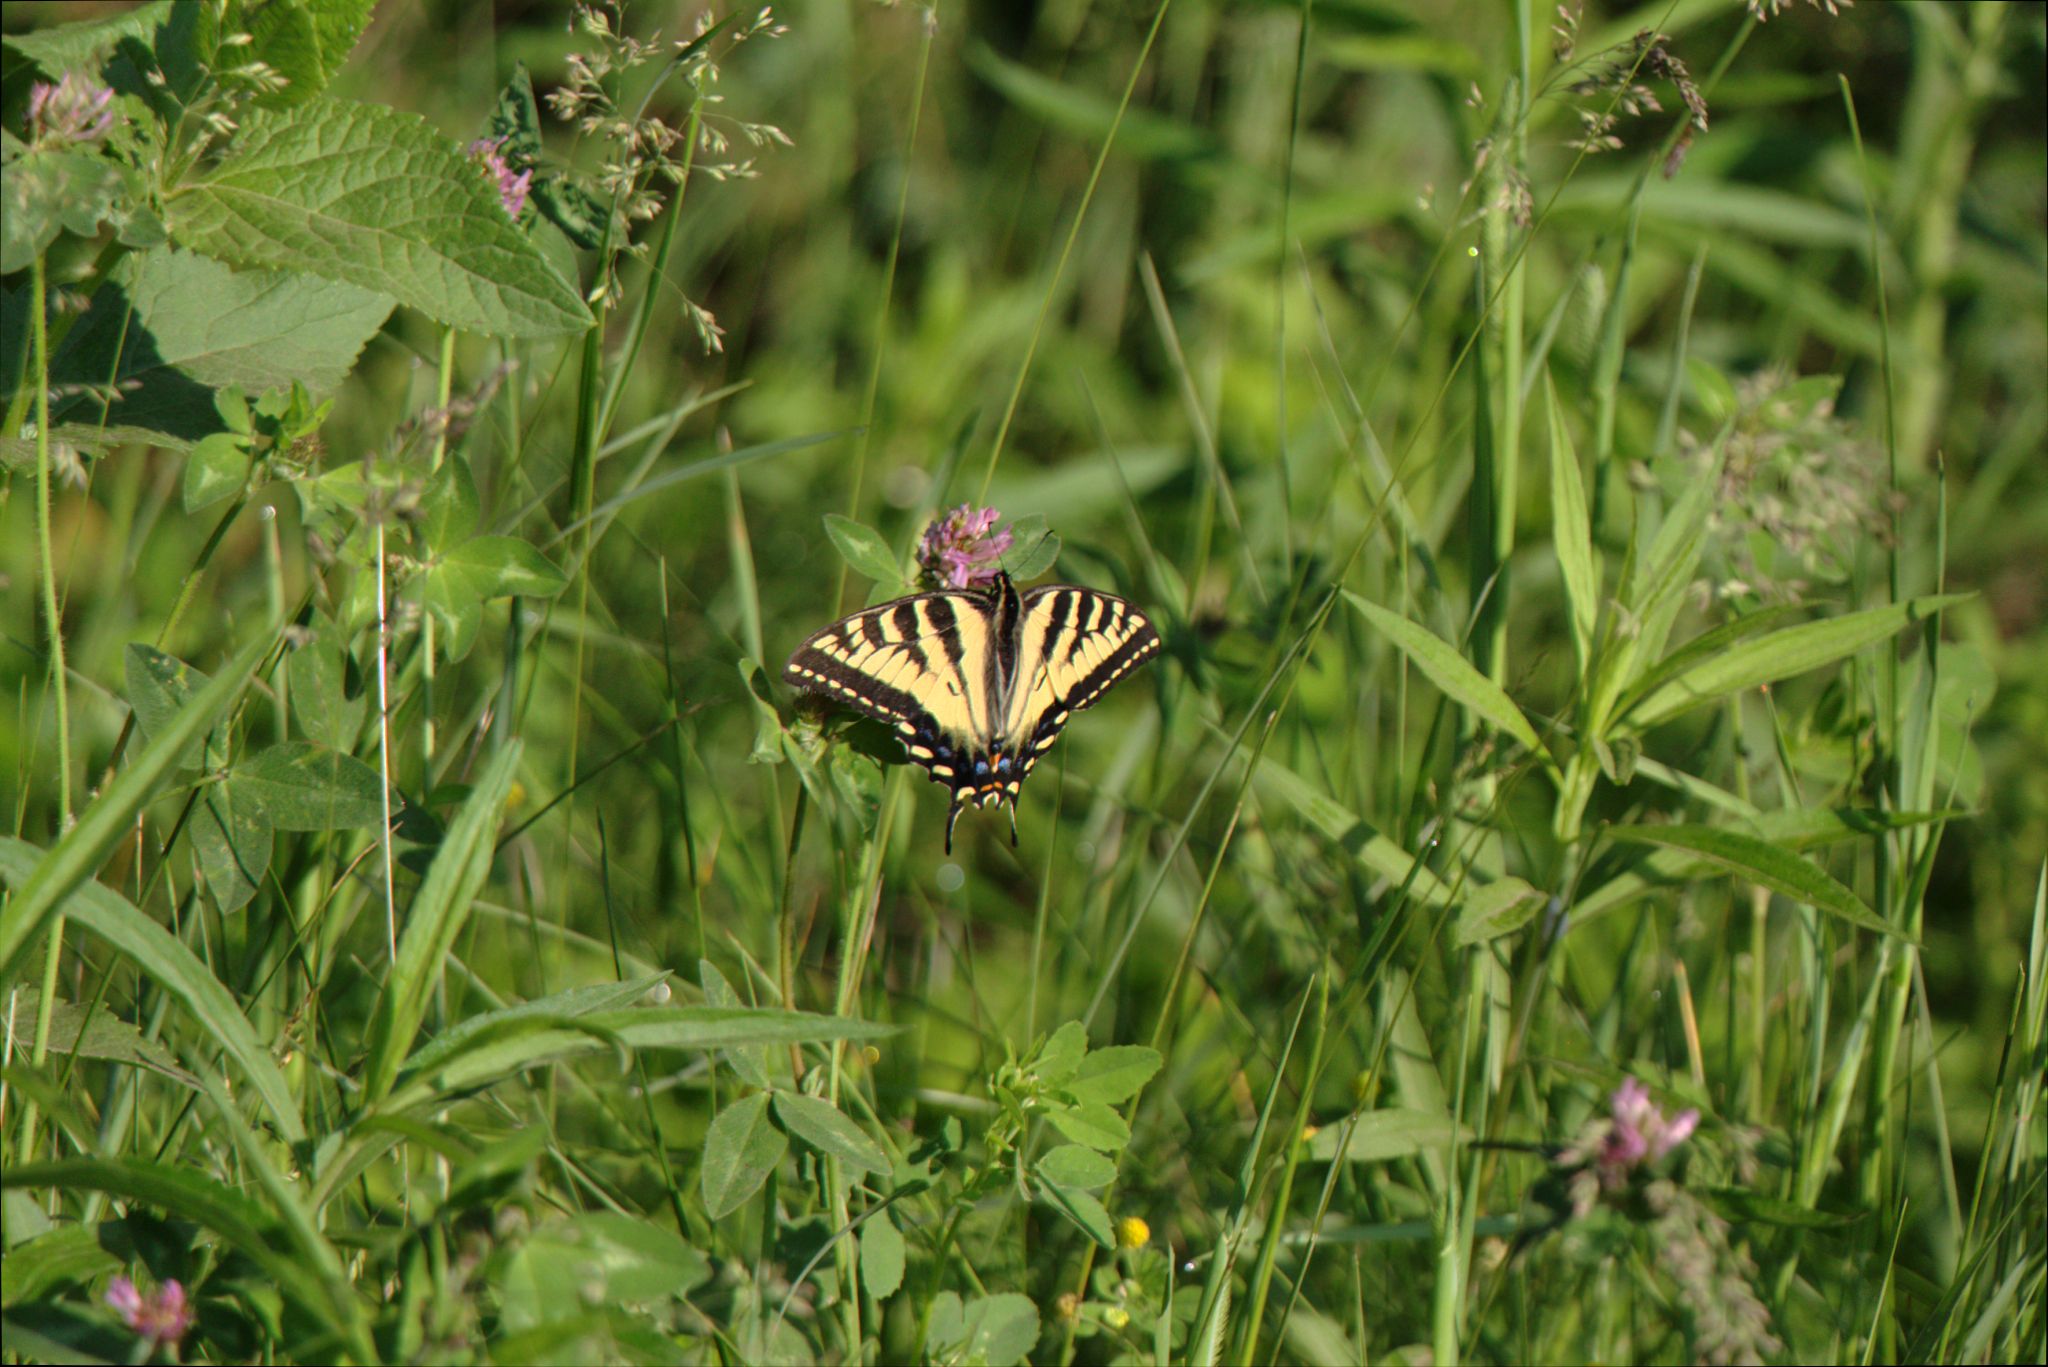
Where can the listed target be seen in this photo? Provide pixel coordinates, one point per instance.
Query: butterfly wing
(923, 665)
(1073, 645)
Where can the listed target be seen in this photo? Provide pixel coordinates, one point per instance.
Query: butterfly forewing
(1075, 643)
(921, 664)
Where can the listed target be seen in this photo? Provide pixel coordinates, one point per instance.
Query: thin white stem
(384, 747)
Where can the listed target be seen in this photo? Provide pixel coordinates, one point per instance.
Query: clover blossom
(962, 549)
(1635, 1135)
(160, 1318)
(73, 110)
(512, 187)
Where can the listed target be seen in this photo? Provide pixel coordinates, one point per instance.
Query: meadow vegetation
(1573, 887)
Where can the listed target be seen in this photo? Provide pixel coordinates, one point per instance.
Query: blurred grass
(1149, 432)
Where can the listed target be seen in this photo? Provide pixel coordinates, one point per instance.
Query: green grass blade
(72, 860)
(1763, 863)
(1453, 673)
(1780, 655)
(165, 959)
(437, 914)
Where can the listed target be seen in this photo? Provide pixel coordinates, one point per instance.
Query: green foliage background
(1303, 365)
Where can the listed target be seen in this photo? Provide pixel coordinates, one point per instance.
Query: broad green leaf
(484, 567)
(172, 327)
(448, 505)
(1062, 1054)
(45, 192)
(82, 46)
(567, 1005)
(432, 922)
(306, 44)
(1076, 1165)
(619, 1257)
(216, 467)
(68, 1255)
(1744, 1206)
(1035, 558)
(1799, 829)
(1092, 1123)
(1364, 843)
(1781, 655)
(863, 549)
(1451, 672)
(326, 692)
(1765, 864)
(819, 1123)
(750, 1063)
(679, 1027)
(102, 1035)
(110, 816)
(1571, 534)
(166, 961)
(1500, 908)
(1708, 645)
(305, 787)
(740, 1149)
(375, 197)
(1392, 1132)
(231, 844)
(159, 686)
(1114, 1074)
(999, 1329)
(881, 1256)
(1086, 1211)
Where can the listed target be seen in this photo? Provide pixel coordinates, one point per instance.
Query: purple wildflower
(1633, 1136)
(73, 110)
(962, 549)
(160, 1318)
(512, 187)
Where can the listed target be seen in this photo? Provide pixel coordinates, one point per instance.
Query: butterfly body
(977, 684)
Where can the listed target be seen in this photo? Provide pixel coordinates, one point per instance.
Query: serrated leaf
(306, 44)
(740, 1149)
(821, 1125)
(1765, 864)
(159, 685)
(1780, 655)
(881, 1256)
(1451, 672)
(81, 46)
(1092, 1123)
(231, 844)
(1078, 1166)
(375, 197)
(1500, 908)
(305, 787)
(1377, 1136)
(1114, 1074)
(862, 548)
(171, 327)
(216, 467)
(46, 191)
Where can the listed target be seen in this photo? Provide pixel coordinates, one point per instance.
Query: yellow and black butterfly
(977, 684)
